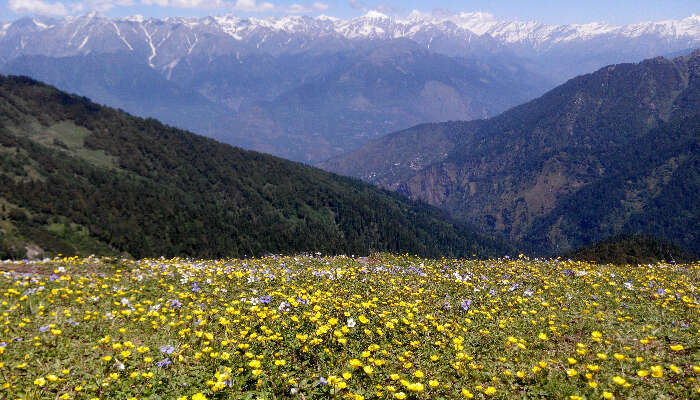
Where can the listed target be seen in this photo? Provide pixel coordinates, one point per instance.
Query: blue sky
(547, 11)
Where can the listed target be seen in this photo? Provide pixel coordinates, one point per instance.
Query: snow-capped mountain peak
(373, 14)
(324, 17)
(477, 22)
(40, 24)
(138, 18)
(163, 42)
(376, 25)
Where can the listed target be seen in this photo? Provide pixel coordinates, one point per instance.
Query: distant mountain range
(166, 42)
(78, 178)
(312, 88)
(615, 151)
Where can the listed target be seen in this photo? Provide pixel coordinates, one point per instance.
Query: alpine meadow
(261, 200)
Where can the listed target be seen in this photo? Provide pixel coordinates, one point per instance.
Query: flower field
(391, 327)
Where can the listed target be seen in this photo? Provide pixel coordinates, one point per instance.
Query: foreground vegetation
(380, 327)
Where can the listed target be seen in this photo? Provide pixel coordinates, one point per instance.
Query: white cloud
(358, 4)
(318, 6)
(101, 5)
(298, 9)
(161, 3)
(387, 8)
(253, 6)
(203, 4)
(198, 3)
(302, 9)
(42, 7)
(37, 7)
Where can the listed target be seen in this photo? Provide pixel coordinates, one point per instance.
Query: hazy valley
(308, 88)
(609, 152)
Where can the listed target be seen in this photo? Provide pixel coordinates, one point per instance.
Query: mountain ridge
(372, 25)
(78, 178)
(594, 157)
(309, 88)
(563, 50)
(248, 94)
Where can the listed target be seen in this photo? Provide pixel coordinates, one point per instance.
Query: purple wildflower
(175, 303)
(167, 349)
(164, 362)
(466, 303)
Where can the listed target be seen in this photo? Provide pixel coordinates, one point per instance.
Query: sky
(548, 11)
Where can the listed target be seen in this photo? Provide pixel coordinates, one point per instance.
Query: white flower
(351, 323)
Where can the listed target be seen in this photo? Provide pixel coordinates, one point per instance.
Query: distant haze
(310, 88)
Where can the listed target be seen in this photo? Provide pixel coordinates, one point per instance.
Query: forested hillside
(631, 249)
(78, 178)
(615, 151)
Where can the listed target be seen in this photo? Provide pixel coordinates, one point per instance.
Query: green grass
(73, 137)
(65, 136)
(336, 327)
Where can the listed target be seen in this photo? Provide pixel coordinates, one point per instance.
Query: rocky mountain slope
(609, 152)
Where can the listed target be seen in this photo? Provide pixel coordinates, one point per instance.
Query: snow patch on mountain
(454, 34)
(377, 25)
(119, 35)
(150, 43)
